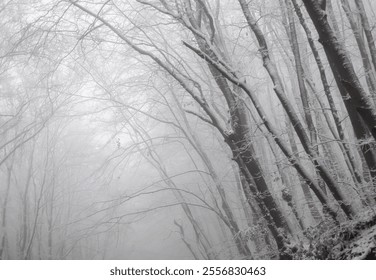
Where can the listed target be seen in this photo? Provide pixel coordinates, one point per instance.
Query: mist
(187, 129)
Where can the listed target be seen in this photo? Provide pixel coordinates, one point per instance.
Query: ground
(355, 239)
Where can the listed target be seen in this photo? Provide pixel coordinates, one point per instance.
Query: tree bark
(369, 73)
(367, 30)
(278, 88)
(340, 62)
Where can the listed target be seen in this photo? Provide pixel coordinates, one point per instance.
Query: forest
(187, 129)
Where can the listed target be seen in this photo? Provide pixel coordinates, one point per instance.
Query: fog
(186, 129)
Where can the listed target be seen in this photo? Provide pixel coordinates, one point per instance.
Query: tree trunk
(367, 30)
(278, 88)
(370, 77)
(328, 93)
(340, 62)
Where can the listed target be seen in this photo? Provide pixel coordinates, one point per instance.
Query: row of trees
(254, 121)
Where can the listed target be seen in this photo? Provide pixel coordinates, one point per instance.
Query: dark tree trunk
(370, 77)
(300, 131)
(367, 30)
(340, 62)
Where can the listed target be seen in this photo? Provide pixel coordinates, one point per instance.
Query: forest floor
(351, 240)
(357, 239)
